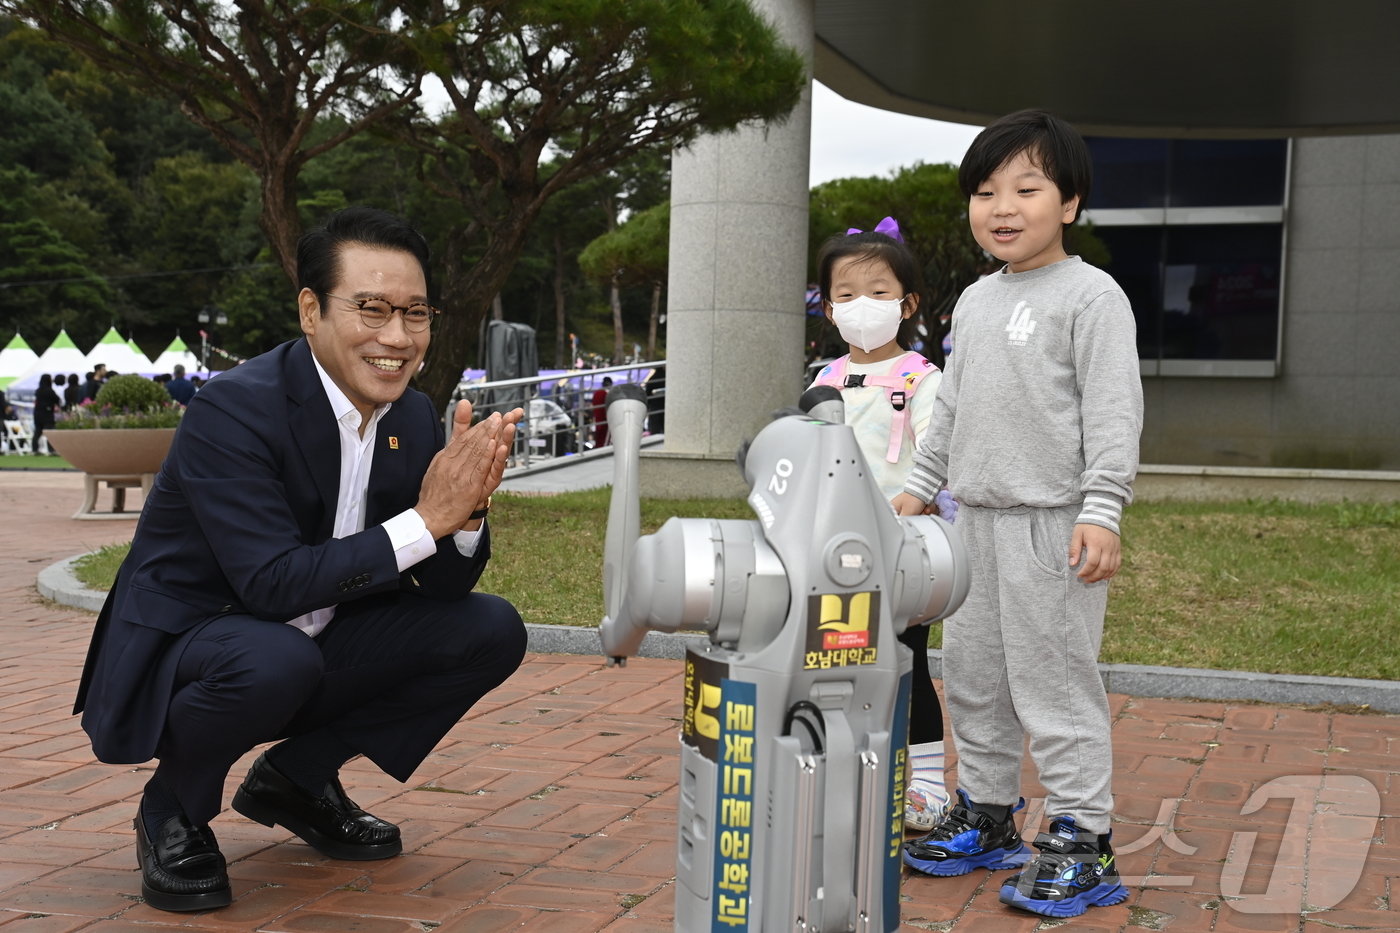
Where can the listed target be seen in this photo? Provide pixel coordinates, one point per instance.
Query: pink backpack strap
(833, 373)
(899, 385)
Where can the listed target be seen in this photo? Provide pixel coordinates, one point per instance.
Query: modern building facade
(1267, 274)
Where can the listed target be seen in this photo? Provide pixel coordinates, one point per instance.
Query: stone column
(735, 311)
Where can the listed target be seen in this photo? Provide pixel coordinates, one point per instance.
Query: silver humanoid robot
(793, 736)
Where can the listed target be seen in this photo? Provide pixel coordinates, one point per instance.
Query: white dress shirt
(408, 534)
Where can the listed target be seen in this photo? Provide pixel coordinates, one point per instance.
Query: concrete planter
(113, 451)
(120, 457)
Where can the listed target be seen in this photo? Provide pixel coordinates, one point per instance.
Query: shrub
(126, 401)
(131, 393)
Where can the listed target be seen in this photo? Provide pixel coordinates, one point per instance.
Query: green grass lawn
(1253, 586)
(34, 462)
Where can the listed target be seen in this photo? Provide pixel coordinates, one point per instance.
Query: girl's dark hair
(868, 247)
(318, 250)
(865, 247)
(1053, 145)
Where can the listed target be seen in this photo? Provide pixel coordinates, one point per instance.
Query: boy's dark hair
(1053, 145)
(318, 250)
(867, 247)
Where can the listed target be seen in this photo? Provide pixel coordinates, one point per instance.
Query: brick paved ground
(552, 808)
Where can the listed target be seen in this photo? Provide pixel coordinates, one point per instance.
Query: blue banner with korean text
(734, 810)
(899, 780)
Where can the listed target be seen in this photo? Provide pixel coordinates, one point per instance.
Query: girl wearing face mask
(870, 285)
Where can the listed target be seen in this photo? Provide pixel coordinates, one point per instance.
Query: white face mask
(868, 323)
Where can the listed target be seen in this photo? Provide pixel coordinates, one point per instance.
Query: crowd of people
(59, 394)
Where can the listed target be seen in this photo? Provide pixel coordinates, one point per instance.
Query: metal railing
(562, 417)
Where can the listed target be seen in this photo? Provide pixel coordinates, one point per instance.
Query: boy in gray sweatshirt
(1035, 431)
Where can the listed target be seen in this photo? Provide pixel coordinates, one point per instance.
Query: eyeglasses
(375, 312)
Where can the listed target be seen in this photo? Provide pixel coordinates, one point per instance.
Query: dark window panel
(1128, 172)
(1227, 173)
(1136, 266)
(1200, 292)
(1221, 292)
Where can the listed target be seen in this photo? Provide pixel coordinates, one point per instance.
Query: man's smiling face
(371, 365)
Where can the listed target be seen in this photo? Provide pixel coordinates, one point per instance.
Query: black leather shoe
(184, 869)
(331, 823)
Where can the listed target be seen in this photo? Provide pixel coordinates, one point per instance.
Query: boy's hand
(1101, 549)
(905, 504)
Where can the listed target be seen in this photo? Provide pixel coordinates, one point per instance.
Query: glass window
(1136, 266)
(1128, 172)
(1200, 292)
(1220, 292)
(1227, 173)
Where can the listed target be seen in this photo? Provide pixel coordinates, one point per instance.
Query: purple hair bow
(889, 227)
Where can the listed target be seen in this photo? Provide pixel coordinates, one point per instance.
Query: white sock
(926, 763)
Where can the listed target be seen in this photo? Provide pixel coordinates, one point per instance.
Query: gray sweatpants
(1019, 659)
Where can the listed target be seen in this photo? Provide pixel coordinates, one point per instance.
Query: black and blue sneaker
(969, 837)
(1073, 872)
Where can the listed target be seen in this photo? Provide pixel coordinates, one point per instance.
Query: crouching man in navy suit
(303, 571)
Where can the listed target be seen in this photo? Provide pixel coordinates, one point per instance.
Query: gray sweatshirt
(1041, 401)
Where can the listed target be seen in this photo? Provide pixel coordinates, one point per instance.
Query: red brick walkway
(552, 808)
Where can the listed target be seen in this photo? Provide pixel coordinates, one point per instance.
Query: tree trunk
(615, 301)
(614, 295)
(279, 219)
(655, 319)
(559, 335)
(468, 293)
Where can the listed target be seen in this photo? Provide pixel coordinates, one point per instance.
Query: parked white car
(551, 429)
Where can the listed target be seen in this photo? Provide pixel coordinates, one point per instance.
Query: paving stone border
(56, 582)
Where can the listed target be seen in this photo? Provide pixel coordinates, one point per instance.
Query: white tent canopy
(62, 356)
(16, 359)
(176, 354)
(114, 351)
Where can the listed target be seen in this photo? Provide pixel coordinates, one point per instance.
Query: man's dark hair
(318, 250)
(1053, 145)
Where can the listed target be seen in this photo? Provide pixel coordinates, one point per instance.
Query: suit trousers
(389, 676)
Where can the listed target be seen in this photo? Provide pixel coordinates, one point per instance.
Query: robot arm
(727, 577)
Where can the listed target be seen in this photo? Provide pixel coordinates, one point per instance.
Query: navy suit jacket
(239, 520)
